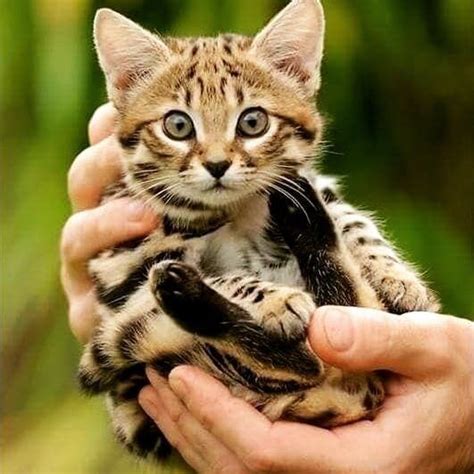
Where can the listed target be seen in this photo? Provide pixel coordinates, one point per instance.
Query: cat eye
(178, 126)
(253, 123)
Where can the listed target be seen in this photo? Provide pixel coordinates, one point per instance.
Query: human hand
(91, 228)
(426, 424)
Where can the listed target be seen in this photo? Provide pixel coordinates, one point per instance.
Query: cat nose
(217, 168)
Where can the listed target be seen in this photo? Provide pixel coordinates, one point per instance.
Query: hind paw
(287, 313)
(171, 280)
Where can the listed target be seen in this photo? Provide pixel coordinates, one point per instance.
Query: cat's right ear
(127, 52)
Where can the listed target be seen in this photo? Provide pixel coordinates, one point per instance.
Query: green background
(397, 93)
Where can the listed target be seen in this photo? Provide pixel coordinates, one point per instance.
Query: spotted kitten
(218, 136)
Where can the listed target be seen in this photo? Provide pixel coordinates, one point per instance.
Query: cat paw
(403, 296)
(287, 314)
(301, 218)
(296, 205)
(171, 280)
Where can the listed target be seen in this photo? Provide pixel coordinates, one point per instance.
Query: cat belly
(288, 274)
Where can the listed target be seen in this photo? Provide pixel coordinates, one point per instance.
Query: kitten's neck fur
(196, 223)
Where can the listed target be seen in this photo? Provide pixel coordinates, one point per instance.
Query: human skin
(426, 424)
(92, 228)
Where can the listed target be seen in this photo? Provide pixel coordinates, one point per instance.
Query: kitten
(218, 136)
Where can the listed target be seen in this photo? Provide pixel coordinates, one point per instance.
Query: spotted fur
(251, 240)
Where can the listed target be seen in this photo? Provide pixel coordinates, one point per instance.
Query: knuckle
(207, 421)
(224, 465)
(101, 121)
(449, 336)
(176, 442)
(70, 243)
(77, 176)
(442, 332)
(80, 321)
(260, 459)
(178, 416)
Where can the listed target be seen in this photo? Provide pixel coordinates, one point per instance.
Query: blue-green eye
(178, 126)
(253, 123)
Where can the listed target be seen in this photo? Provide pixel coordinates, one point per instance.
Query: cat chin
(221, 197)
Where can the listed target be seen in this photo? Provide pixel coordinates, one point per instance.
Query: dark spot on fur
(240, 95)
(329, 195)
(148, 440)
(223, 84)
(353, 226)
(201, 84)
(130, 141)
(188, 97)
(369, 402)
(99, 356)
(259, 297)
(323, 419)
(299, 129)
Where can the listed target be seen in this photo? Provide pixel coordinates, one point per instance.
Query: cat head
(211, 121)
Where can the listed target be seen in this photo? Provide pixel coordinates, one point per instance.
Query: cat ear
(127, 52)
(293, 42)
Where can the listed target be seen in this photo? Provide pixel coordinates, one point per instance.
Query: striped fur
(230, 279)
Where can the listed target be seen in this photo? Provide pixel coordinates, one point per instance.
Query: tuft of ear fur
(293, 42)
(127, 52)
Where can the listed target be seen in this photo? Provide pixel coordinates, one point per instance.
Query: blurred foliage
(398, 98)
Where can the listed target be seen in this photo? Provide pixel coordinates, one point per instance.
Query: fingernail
(136, 211)
(338, 329)
(177, 381)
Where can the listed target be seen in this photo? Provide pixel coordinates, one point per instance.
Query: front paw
(293, 201)
(404, 295)
(298, 211)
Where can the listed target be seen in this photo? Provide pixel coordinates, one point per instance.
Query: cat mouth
(218, 186)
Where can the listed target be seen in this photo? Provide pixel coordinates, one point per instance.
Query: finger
(82, 316)
(102, 123)
(91, 172)
(216, 456)
(157, 411)
(88, 232)
(359, 339)
(256, 442)
(214, 401)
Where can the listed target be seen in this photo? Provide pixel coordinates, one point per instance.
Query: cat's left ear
(293, 42)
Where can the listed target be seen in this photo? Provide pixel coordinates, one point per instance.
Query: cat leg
(397, 284)
(262, 321)
(282, 310)
(131, 425)
(114, 362)
(120, 345)
(328, 269)
(208, 306)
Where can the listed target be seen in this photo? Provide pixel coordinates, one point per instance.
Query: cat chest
(229, 252)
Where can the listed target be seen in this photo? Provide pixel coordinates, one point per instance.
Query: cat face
(209, 121)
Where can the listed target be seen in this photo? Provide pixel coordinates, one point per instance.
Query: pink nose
(217, 169)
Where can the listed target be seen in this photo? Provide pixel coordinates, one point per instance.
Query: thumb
(360, 339)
